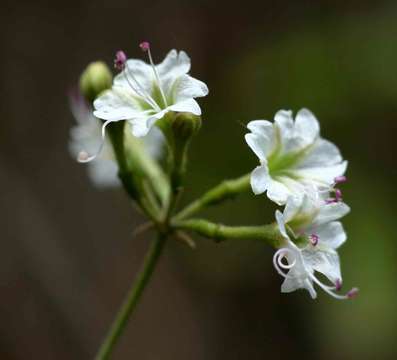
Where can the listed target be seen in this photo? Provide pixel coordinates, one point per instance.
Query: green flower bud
(95, 79)
(185, 125)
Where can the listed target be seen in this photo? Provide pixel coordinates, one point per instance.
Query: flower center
(280, 162)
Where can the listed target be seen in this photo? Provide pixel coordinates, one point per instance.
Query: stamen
(340, 179)
(120, 60)
(338, 195)
(140, 91)
(338, 285)
(279, 265)
(329, 290)
(145, 46)
(314, 239)
(84, 157)
(352, 293)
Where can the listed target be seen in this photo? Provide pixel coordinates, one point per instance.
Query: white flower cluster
(141, 95)
(87, 134)
(300, 170)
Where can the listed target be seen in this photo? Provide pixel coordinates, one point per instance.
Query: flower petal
(293, 207)
(189, 105)
(103, 173)
(281, 224)
(260, 179)
(322, 153)
(277, 192)
(141, 125)
(174, 64)
(330, 212)
(283, 120)
(306, 126)
(140, 77)
(115, 105)
(322, 175)
(257, 143)
(261, 134)
(186, 87)
(294, 282)
(331, 234)
(325, 262)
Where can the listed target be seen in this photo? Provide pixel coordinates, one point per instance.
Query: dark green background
(68, 255)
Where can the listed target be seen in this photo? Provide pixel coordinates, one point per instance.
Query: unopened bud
(95, 79)
(185, 125)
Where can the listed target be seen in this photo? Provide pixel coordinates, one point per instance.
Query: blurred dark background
(68, 255)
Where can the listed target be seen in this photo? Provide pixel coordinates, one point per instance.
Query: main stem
(132, 298)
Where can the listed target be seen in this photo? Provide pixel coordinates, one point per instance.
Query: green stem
(225, 190)
(132, 298)
(218, 232)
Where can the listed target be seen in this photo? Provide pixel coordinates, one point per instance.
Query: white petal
(262, 134)
(284, 122)
(189, 105)
(277, 192)
(325, 262)
(186, 87)
(323, 153)
(103, 173)
(292, 207)
(261, 127)
(322, 175)
(331, 212)
(291, 284)
(260, 179)
(281, 224)
(306, 126)
(140, 126)
(140, 77)
(331, 234)
(174, 64)
(115, 105)
(258, 144)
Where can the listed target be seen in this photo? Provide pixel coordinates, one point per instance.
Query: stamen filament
(156, 76)
(84, 157)
(141, 92)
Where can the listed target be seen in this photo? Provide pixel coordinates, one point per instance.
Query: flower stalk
(219, 232)
(226, 190)
(132, 298)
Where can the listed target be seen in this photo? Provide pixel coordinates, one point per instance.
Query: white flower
(311, 222)
(143, 93)
(87, 134)
(292, 156)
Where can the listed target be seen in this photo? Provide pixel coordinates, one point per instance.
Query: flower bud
(95, 79)
(185, 125)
